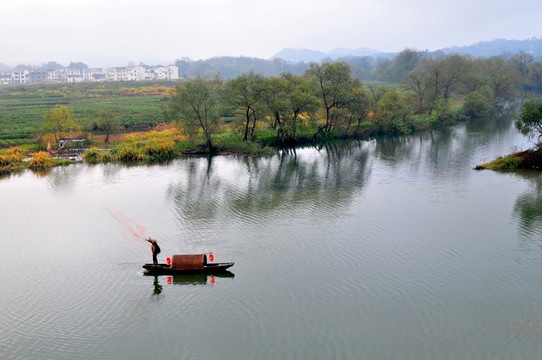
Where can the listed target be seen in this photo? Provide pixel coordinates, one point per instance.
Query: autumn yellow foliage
(40, 160)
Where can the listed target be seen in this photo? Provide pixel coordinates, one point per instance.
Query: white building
(70, 75)
(38, 76)
(165, 73)
(125, 74)
(5, 78)
(58, 75)
(20, 77)
(138, 73)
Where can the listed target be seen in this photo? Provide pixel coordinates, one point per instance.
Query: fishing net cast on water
(132, 226)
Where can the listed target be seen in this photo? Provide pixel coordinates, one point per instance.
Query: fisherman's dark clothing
(155, 251)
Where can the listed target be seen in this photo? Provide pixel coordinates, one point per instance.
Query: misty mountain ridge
(307, 55)
(297, 60)
(499, 47)
(495, 47)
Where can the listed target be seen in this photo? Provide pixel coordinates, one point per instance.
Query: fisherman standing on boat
(155, 250)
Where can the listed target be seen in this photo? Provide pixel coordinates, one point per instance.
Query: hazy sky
(104, 31)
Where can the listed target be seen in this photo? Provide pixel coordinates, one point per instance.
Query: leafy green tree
(358, 108)
(442, 111)
(274, 97)
(417, 82)
(534, 78)
(522, 61)
(477, 105)
(392, 114)
(529, 122)
(474, 82)
(108, 121)
(433, 79)
(78, 65)
(334, 87)
(404, 62)
(22, 67)
(300, 100)
(383, 70)
(195, 105)
(454, 68)
(52, 65)
(287, 98)
(245, 92)
(375, 94)
(436, 77)
(59, 123)
(502, 80)
(362, 67)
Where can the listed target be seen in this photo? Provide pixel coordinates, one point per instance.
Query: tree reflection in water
(321, 182)
(528, 206)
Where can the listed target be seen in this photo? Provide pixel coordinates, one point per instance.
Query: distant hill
(306, 55)
(342, 53)
(499, 47)
(4, 67)
(298, 55)
(481, 49)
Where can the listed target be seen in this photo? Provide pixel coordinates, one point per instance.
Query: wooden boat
(188, 264)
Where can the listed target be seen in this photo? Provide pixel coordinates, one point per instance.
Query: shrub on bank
(11, 160)
(40, 160)
(15, 155)
(95, 156)
(510, 162)
(528, 159)
(532, 159)
(6, 166)
(154, 146)
(160, 150)
(229, 142)
(477, 106)
(150, 147)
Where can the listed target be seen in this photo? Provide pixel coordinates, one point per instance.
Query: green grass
(509, 162)
(527, 159)
(233, 143)
(139, 105)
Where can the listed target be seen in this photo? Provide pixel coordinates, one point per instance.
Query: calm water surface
(388, 249)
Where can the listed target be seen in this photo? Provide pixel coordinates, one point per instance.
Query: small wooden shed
(188, 262)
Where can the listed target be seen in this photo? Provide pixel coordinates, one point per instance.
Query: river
(385, 249)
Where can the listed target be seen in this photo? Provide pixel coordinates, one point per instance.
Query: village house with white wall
(70, 75)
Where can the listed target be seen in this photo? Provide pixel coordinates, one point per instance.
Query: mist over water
(383, 249)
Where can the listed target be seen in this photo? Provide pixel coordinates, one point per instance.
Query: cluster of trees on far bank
(328, 101)
(390, 68)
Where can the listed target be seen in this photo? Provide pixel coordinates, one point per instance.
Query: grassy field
(139, 105)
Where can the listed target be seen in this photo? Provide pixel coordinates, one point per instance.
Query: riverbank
(15, 159)
(528, 159)
(167, 143)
